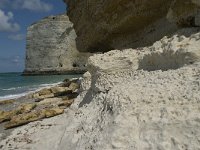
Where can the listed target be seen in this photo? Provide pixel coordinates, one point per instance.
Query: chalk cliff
(51, 47)
(135, 99)
(118, 24)
(144, 98)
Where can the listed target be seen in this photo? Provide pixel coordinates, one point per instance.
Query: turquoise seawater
(14, 85)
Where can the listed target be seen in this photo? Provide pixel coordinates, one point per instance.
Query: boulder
(23, 119)
(60, 91)
(25, 108)
(7, 115)
(74, 86)
(46, 96)
(53, 112)
(35, 95)
(65, 103)
(44, 92)
(67, 82)
(50, 101)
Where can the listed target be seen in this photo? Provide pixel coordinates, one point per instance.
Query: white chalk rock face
(166, 54)
(51, 47)
(143, 99)
(135, 99)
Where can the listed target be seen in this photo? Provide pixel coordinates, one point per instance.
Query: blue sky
(15, 17)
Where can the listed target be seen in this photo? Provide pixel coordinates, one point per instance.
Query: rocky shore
(45, 103)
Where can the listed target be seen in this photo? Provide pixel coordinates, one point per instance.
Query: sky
(15, 17)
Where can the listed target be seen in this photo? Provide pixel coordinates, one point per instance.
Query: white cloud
(6, 23)
(32, 5)
(16, 37)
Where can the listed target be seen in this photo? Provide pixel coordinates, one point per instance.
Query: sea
(14, 85)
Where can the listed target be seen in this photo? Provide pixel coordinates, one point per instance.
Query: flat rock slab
(50, 101)
(33, 116)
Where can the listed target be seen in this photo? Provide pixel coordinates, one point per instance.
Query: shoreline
(19, 95)
(43, 73)
(14, 85)
(30, 101)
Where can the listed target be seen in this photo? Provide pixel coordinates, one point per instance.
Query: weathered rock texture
(118, 24)
(135, 99)
(185, 13)
(45, 103)
(51, 47)
(131, 99)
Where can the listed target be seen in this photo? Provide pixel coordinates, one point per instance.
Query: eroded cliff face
(131, 99)
(135, 99)
(51, 47)
(185, 13)
(102, 25)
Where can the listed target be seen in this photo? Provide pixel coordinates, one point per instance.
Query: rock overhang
(119, 24)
